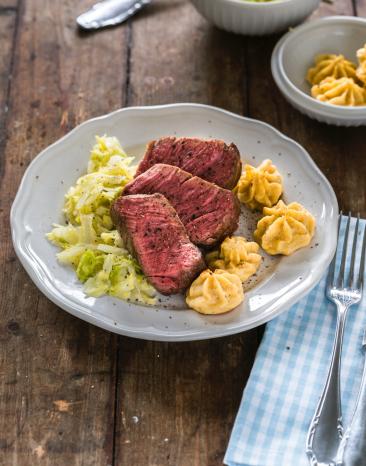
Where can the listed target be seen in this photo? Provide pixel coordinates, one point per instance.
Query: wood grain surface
(70, 393)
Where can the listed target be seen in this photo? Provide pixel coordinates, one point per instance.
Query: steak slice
(212, 160)
(153, 233)
(208, 212)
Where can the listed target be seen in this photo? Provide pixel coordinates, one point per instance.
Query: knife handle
(352, 449)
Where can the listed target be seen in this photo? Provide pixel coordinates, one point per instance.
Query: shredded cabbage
(90, 263)
(109, 170)
(89, 241)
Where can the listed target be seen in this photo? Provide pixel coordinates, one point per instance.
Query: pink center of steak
(153, 232)
(212, 160)
(208, 212)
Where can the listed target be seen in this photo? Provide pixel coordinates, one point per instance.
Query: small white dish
(294, 54)
(40, 198)
(256, 19)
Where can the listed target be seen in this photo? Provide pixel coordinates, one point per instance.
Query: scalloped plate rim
(150, 333)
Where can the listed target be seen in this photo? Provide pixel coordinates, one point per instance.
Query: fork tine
(340, 280)
(353, 257)
(331, 271)
(362, 262)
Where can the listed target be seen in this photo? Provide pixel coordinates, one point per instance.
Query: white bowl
(294, 55)
(255, 19)
(279, 282)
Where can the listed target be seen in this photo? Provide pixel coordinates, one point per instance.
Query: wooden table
(70, 393)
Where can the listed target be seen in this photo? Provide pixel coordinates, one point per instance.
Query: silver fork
(326, 427)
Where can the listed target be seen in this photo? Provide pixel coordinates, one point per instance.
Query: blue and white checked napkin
(288, 377)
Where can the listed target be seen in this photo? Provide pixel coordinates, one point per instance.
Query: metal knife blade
(352, 449)
(109, 13)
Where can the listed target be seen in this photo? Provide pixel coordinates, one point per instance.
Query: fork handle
(325, 431)
(352, 450)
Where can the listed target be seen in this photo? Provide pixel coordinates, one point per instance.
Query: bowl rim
(305, 99)
(248, 4)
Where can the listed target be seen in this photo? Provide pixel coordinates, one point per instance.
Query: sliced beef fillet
(212, 160)
(157, 238)
(208, 212)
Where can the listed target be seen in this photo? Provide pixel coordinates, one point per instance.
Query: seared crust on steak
(212, 160)
(154, 234)
(208, 212)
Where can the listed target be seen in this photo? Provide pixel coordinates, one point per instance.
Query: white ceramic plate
(280, 282)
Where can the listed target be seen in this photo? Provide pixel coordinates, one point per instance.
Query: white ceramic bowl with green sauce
(255, 18)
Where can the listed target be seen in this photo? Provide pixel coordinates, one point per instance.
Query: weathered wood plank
(7, 29)
(360, 6)
(186, 60)
(177, 402)
(6, 5)
(339, 7)
(337, 151)
(57, 379)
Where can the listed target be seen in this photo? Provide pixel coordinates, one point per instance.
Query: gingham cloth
(288, 377)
